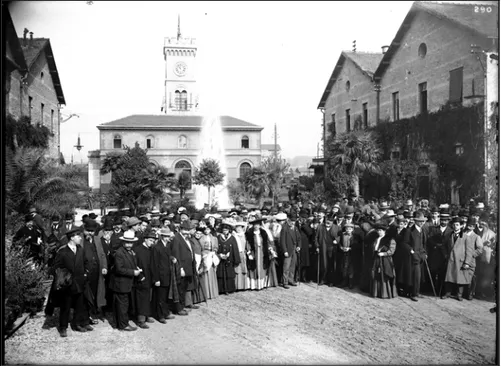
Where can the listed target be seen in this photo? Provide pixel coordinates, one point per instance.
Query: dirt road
(299, 325)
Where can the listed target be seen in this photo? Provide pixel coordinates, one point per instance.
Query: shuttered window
(456, 86)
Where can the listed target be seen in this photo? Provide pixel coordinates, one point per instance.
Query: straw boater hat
(444, 214)
(384, 205)
(408, 203)
(390, 213)
(480, 206)
(128, 236)
(281, 216)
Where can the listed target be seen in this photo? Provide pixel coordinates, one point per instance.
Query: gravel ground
(302, 325)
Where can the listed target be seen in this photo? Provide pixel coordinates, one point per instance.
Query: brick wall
(448, 48)
(361, 91)
(41, 90)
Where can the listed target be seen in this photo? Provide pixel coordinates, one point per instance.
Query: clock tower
(181, 96)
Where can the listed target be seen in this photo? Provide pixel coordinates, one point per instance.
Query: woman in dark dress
(382, 281)
(229, 259)
(401, 258)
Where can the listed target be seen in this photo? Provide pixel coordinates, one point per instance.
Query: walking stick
(299, 268)
(382, 275)
(431, 279)
(318, 269)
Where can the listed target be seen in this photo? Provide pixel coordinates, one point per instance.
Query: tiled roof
(12, 42)
(32, 48)
(367, 61)
(464, 14)
(270, 147)
(148, 121)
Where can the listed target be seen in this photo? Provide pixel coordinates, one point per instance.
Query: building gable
(454, 15)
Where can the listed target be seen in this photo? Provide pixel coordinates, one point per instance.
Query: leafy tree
(275, 169)
(32, 180)
(208, 174)
(184, 183)
(355, 153)
(135, 180)
(403, 177)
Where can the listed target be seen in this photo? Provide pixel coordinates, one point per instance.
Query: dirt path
(300, 325)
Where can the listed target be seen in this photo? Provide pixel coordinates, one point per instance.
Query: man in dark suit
(71, 258)
(141, 290)
(30, 236)
(122, 279)
(290, 242)
(325, 243)
(162, 263)
(438, 248)
(182, 251)
(415, 241)
(97, 268)
(105, 239)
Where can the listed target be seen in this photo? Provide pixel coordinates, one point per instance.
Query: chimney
(24, 36)
(31, 39)
(385, 48)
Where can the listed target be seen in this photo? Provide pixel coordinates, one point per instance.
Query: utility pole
(275, 147)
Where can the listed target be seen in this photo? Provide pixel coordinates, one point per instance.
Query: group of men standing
(162, 264)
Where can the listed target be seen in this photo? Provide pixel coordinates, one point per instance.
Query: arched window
(150, 142)
(422, 50)
(184, 100)
(244, 169)
(177, 100)
(245, 142)
(182, 142)
(117, 142)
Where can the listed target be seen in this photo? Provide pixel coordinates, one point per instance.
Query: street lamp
(458, 147)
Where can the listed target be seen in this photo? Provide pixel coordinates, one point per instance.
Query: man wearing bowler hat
(414, 242)
(71, 258)
(162, 266)
(97, 269)
(461, 264)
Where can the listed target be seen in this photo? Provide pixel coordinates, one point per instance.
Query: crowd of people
(163, 264)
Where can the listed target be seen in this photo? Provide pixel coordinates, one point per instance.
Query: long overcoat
(461, 253)
(226, 267)
(122, 277)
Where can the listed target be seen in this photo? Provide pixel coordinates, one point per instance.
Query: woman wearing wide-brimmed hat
(241, 270)
(210, 261)
(229, 258)
(257, 255)
(382, 280)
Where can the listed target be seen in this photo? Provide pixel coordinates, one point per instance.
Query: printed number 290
(482, 9)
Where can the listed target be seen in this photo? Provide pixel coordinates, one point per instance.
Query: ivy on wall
(21, 133)
(438, 137)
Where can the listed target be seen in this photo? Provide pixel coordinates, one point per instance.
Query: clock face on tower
(180, 68)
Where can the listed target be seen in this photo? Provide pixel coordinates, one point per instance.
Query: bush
(25, 288)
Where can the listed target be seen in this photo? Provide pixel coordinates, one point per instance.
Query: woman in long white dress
(210, 262)
(241, 282)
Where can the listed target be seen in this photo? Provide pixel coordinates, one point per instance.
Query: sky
(263, 62)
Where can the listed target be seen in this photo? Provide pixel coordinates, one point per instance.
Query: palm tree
(275, 169)
(255, 183)
(355, 152)
(156, 183)
(32, 180)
